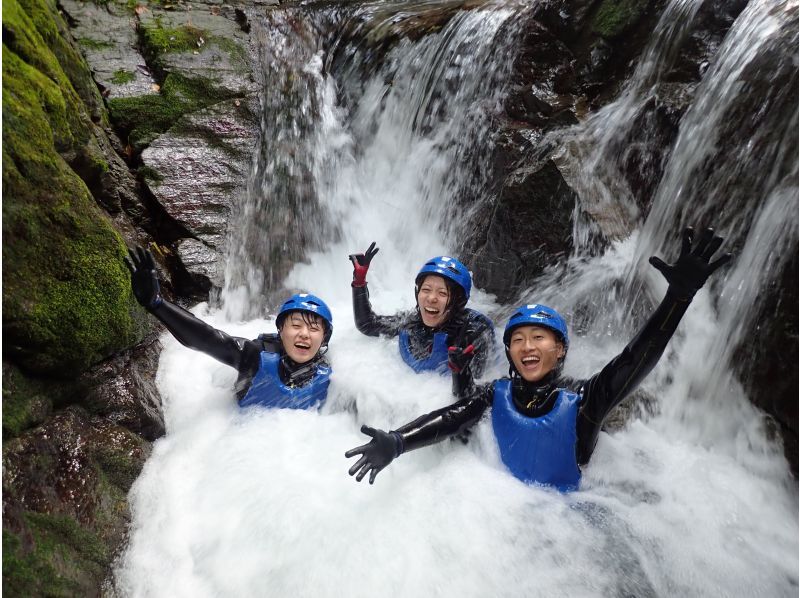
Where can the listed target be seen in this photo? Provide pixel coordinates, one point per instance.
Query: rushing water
(692, 500)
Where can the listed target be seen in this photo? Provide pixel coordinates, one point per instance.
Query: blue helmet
(308, 303)
(537, 315)
(451, 269)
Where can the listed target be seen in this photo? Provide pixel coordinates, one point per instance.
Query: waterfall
(692, 498)
(591, 155)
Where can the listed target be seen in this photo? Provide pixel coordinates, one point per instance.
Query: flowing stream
(691, 498)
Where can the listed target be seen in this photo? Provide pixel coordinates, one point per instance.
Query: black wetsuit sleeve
(367, 321)
(446, 422)
(605, 390)
(192, 332)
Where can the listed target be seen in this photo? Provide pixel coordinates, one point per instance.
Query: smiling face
(433, 298)
(302, 334)
(535, 351)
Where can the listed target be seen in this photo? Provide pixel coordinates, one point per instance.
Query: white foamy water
(693, 501)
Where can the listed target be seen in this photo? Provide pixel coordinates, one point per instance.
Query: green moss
(66, 294)
(164, 40)
(94, 44)
(65, 530)
(99, 164)
(30, 573)
(36, 32)
(121, 77)
(151, 174)
(614, 17)
(26, 402)
(59, 562)
(143, 118)
(118, 466)
(236, 51)
(34, 94)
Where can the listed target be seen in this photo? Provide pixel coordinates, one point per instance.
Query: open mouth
(531, 360)
(431, 311)
(302, 346)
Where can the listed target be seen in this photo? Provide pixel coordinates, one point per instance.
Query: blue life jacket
(267, 389)
(538, 450)
(437, 360)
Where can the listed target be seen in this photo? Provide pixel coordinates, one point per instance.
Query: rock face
(107, 36)
(198, 169)
(64, 504)
(80, 406)
(529, 227)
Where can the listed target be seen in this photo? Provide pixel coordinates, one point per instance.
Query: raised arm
(367, 321)
(605, 390)
(184, 326)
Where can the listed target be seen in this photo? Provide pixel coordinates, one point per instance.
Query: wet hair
(457, 300)
(309, 318)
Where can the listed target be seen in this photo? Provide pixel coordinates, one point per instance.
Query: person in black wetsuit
(441, 331)
(547, 424)
(287, 369)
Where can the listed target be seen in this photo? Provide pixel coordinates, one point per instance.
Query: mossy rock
(55, 558)
(121, 77)
(144, 118)
(65, 508)
(615, 17)
(26, 402)
(159, 39)
(66, 294)
(36, 32)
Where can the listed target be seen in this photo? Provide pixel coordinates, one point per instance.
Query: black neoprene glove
(144, 278)
(376, 454)
(688, 275)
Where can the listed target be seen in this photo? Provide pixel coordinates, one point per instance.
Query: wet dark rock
(109, 179)
(647, 148)
(202, 165)
(64, 506)
(605, 38)
(771, 377)
(542, 83)
(615, 18)
(529, 228)
(123, 391)
(565, 19)
(710, 25)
